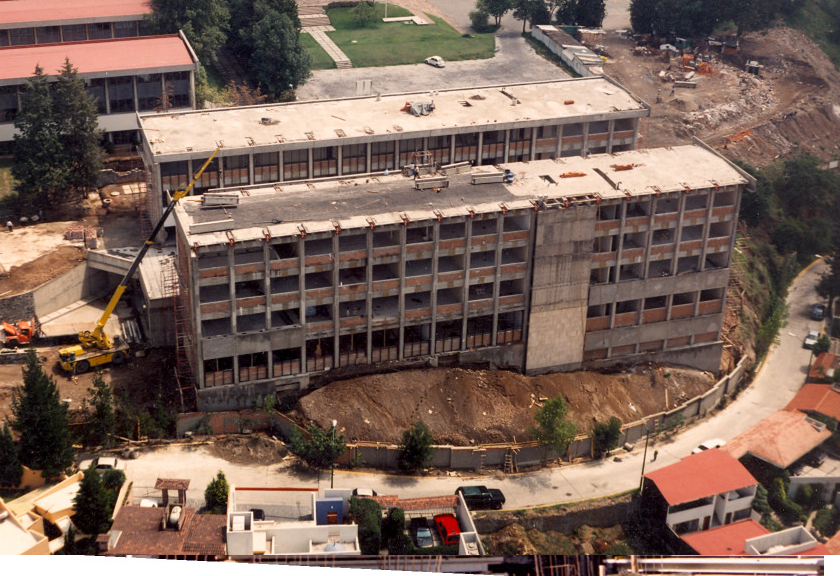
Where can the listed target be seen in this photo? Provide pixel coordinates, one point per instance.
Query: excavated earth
(463, 407)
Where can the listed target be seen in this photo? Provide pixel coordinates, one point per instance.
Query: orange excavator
(20, 333)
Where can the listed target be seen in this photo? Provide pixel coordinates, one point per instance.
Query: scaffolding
(178, 317)
(145, 200)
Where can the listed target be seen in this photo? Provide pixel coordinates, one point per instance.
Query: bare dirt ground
(462, 407)
(794, 106)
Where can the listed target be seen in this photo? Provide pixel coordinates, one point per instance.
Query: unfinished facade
(576, 262)
(310, 140)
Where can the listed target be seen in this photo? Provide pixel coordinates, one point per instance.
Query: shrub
(415, 448)
(216, 494)
(479, 20)
(827, 521)
(605, 436)
(368, 515)
(401, 544)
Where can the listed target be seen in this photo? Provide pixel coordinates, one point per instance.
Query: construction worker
(673, 90)
(9, 225)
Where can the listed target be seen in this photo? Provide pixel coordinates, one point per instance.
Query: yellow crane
(95, 347)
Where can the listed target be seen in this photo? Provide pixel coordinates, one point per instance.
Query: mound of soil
(32, 274)
(462, 407)
(250, 449)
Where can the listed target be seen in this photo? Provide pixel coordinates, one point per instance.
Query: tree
(821, 345)
(643, 15)
(605, 436)
(589, 13)
(553, 431)
(204, 22)
(103, 421)
(92, 505)
(529, 11)
(415, 448)
(40, 418)
(368, 516)
(279, 62)
(321, 449)
(216, 494)
(36, 165)
(245, 13)
(495, 8)
(78, 129)
(11, 471)
(363, 13)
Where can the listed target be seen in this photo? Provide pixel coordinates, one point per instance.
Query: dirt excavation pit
(464, 407)
(250, 449)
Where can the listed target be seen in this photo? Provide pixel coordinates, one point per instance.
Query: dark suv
(481, 497)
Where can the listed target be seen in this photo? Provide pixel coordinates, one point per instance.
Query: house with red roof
(700, 492)
(817, 399)
(748, 537)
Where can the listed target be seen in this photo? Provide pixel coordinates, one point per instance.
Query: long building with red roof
(124, 76)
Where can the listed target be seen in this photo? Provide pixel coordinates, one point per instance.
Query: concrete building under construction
(553, 264)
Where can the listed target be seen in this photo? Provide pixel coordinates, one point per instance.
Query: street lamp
(332, 453)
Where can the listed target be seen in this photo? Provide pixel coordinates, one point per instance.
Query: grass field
(393, 43)
(5, 176)
(320, 59)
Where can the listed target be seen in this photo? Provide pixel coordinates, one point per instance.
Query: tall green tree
(323, 447)
(11, 471)
(279, 62)
(605, 436)
(216, 494)
(363, 13)
(37, 165)
(244, 14)
(79, 135)
(589, 13)
(92, 506)
(496, 8)
(102, 423)
(553, 432)
(643, 15)
(204, 22)
(415, 449)
(40, 418)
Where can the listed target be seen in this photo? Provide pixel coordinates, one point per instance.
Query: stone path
(340, 58)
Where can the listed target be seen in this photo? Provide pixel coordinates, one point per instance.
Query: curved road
(778, 381)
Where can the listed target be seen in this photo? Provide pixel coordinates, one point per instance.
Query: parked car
(367, 492)
(104, 463)
(421, 533)
(818, 312)
(481, 497)
(708, 445)
(811, 339)
(447, 527)
(435, 61)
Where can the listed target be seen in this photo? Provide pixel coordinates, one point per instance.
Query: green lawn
(381, 44)
(320, 59)
(5, 176)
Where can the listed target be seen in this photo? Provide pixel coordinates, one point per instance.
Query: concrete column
(499, 231)
(196, 316)
(507, 145)
(134, 86)
(636, 122)
(465, 293)
(533, 144)
(619, 253)
(221, 162)
(339, 170)
(559, 141)
(368, 296)
(706, 225)
(584, 148)
(610, 130)
(732, 239)
(433, 294)
(397, 155)
(232, 294)
(302, 297)
(267, 282)
(280, 175)
(529, 272)
(310, 165)
(336, 311)
(401, 299)
(192, 90)
(251, 169)
(678, 234)
(452, 149)
(480, 146)
(646, 263)
(367, 156)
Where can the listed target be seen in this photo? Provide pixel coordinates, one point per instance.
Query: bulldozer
(20, 333)
(95, 347)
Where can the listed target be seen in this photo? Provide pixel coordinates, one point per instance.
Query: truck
(20, 333)
(95, 347)
(481, 497)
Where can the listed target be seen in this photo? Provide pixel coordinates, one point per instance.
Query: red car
(447, 527)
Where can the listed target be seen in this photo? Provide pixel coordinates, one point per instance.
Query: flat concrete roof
(370, 118)
(97, 58)
(281, 209)
(25, 13)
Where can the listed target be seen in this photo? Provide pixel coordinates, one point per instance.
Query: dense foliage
(698, 18)
(216, 494)
(605, 436)
(102, 422)
(11, 471)
(368, 515)
(93, 504)
(321, 449)
(553, 432)
(415, 448)
(205, 23)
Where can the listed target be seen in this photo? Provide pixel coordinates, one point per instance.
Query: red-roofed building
(727, 540)
(817, 399)
(822, 370)
(780, 439)
(701, 491)
(25, 22)
(124, 76)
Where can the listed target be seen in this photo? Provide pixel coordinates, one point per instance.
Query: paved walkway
(340, 58)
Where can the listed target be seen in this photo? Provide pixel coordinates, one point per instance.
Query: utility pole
(332, 453)
(644, 460)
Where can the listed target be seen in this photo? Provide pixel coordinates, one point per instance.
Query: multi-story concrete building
(577, 262)
(347, 137)
(124, 76)
(26, 22)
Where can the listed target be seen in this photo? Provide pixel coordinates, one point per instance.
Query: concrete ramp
(115, 260)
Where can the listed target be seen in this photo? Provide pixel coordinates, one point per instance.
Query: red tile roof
(201, 534)
(725, 540)
(821, 398)
(407, 504)
(172, 484)
(700, 475)
(35, 12)
(823, 368)
(833, 544)
(124, 55)
(781, 438)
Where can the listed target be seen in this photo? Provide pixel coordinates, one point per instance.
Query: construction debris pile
(756, 96)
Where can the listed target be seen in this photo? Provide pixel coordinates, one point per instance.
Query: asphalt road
(778, 381)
